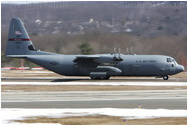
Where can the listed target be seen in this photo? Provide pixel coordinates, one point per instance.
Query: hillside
(137, 18)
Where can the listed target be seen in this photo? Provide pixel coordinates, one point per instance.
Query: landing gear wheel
(165, 77)
(92, 78)
(100, 78)
(96, 78)
(106, 78)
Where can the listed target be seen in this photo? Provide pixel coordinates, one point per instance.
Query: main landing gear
(100, 78)
(165, 77)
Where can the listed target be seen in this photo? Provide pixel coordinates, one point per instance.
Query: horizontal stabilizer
(17, 56)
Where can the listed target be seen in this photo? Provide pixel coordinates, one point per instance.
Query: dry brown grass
(106, 120)
(39, 88)
(46, 73)
(28, 73)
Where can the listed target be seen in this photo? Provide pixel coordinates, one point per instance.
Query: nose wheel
(165, 77)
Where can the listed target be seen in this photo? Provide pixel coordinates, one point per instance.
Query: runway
(153, 93)
(148, 99)
(147, 104)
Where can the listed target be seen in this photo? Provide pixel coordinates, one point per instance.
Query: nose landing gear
(165, 77)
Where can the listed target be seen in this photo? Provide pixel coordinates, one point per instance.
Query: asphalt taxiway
(168, 99)
(149, 99)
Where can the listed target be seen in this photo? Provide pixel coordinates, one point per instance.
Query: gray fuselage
(132, 65)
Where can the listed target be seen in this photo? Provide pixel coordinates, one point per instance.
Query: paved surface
(147, 104)
(168, 99)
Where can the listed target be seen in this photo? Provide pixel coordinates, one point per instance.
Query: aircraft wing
(86, 57)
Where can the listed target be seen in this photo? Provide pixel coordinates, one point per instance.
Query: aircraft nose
(180, 68)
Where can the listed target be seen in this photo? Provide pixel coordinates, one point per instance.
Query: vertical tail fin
(19, 42)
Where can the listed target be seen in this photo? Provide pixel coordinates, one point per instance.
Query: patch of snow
(7, 115)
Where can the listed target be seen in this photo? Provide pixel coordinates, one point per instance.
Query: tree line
(96, 42)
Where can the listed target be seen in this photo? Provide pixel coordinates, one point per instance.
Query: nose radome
(183, 68)
(180, 68)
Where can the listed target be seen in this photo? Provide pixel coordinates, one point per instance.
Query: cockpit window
(169, 60)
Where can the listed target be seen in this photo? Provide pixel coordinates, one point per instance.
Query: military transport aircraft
(100, 66)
